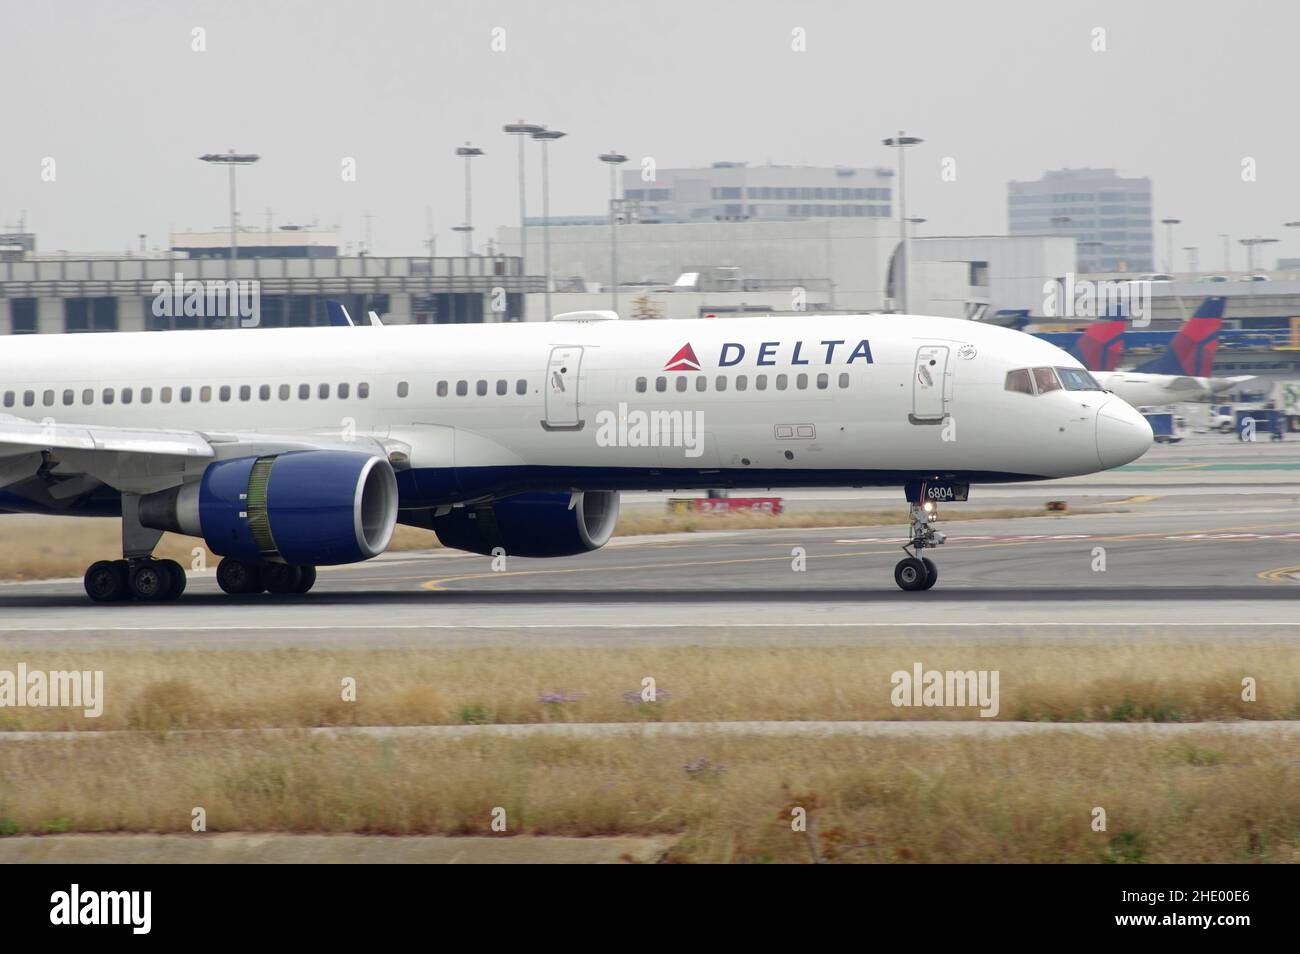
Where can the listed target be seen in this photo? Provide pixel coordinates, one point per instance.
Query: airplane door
(562, 389)
(931, 385)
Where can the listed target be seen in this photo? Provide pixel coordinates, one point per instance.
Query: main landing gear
(242, 577)
(917, 572)
(142, 578)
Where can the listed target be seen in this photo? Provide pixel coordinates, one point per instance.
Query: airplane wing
(72, 459)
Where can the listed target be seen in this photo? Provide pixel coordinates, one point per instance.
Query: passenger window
(108, 395)
(502, 386)
(29, 398)
(442, 389)
(205, 393)
(284, 392)
(760, 382)
(742, 382)
(166, 396)
(49, 398)
(640, 385)
(462, 388)
(681, 383)
(481, 388)
(1018, 381)
(224, 392)
(126, 395)
(521, 386)
(781, 381)
(186, 393)
(69, 396)
(844, 379)
(363, 390)
(661, 384)
(9, 399)
(245, 392)
(343, 390)
(323, 391)
(1045, 379)
(823, 382)
(403, 389)
(801, 382)
(264, 392)
(720, 383)
(146, 395)
(304, 392)
(701, 383)
(88, 396)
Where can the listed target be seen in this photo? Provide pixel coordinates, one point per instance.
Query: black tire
(307, 580)
(150, 581)
(105, 581)
(178, 578)
(281, 578)
(931, 573)
(239, 577)
(910, 574)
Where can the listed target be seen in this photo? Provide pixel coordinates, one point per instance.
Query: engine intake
(301, 507)
(532, 525)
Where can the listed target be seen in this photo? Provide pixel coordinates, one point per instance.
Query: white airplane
(286, 449)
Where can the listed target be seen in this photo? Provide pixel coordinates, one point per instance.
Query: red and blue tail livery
(1192, 350)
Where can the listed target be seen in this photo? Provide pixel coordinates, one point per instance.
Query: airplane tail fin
(1193, 348)
(338, 314)
(1100, 347)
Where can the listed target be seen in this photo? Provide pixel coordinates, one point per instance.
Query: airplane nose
(1123, 435)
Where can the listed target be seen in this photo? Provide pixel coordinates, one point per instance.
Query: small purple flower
(552, 698)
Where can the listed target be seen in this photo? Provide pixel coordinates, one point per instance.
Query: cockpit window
(1077, 379)
(1018, 380)
(1045, 379)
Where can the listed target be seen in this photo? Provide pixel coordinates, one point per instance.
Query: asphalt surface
(1180, 561)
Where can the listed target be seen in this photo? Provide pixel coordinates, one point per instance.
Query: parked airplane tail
(338, 314)
(1100, 347)
(1192, 350)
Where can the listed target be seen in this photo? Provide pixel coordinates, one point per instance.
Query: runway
(1233, 573)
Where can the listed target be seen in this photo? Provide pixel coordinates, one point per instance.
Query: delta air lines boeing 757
(288, 449)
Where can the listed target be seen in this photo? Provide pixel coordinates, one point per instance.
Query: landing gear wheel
(178, 578)
(911, 574)
(931, 573)
(307, 580)
(149, 580)
(105, 581)
(239, 577)
(281, 578)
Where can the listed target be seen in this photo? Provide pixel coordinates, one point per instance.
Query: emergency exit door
(562, 378)
(931, 385)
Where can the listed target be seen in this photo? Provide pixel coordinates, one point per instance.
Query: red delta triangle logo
(683, 360)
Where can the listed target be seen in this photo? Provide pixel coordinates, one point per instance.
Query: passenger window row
(741, 382)
(481, 387)
(185, 395)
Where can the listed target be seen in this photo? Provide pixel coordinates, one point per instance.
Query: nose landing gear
(916, 572)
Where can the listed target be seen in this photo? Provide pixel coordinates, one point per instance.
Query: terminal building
(296, 272)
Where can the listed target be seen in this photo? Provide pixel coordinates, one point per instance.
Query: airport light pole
(1252, 244)
(523, 130)
(901, 142)
(1169, 242)
(231, 160)
(1227, 252)
(469, 154)
(613, 160)
(545, 137)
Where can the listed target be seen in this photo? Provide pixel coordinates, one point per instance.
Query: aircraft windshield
(1077, 379)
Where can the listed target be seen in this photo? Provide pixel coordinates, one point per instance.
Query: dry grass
(42, 548)
(156, 690)
(1203, 798)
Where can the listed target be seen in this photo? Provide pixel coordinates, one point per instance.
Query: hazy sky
(115, 94)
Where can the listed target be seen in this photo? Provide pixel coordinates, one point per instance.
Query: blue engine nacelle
(301, 507)
(531, 525)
